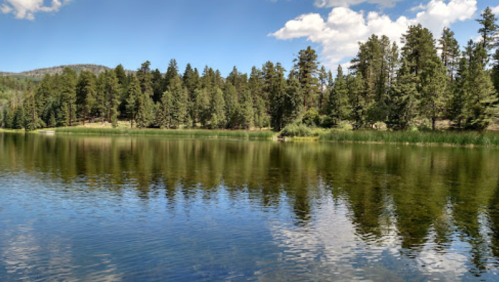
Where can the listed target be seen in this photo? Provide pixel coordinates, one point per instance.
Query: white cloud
(495, 10)
(348, 3)
(26, 9)
(339, 34)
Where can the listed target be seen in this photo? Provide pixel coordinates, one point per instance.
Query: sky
(218, 33)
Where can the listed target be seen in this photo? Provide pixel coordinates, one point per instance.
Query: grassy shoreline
(172, 133)
(488, 139)
(443, 138)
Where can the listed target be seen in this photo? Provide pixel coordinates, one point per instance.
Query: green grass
(165, 132)
(486, 139)
(12, 130)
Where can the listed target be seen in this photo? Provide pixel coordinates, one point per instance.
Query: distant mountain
(38, 74)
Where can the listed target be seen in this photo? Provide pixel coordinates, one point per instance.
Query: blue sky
(218, 33)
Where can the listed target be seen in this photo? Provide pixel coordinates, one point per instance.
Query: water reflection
(120, 208)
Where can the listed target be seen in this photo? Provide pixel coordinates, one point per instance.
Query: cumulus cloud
(26, 9)
(495, 10)
(348, 3)
(340, 32)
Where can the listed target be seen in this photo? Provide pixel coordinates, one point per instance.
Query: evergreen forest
(429, 79)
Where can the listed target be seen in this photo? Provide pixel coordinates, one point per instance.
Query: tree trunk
(433, 120)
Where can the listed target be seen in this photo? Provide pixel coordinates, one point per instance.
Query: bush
(298, 130)
(312, 118)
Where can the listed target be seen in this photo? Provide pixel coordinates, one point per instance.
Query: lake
(92, 208)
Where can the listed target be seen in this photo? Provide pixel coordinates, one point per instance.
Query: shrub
(312, 118)
(298, 130)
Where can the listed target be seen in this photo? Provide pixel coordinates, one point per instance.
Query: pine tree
(432, 99)
(31, 120)
(18, 122)
(124, 82)
(171, 73)
(278, 100)
(113, 97)
(481, 106)
(306, 69)
(164, 112)
(488, 30)
(203, 110)
(339, 106)
(231, 105)
(43, 97)
(145, 76)
(449, 48)
(246, 110)
(68, 93)
(100, 108)
(260, 113)
(134, 92)
(85, 93)
(255, 83)
(63, 115)
(179, 101)
(419, 47)
(460, 94)
(357, 100)
(8, 119)
(266, 80)
(294, 101)
(217, 109)
(157, 85)
(401, 101)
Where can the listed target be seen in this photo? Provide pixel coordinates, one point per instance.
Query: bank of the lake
(450, 138)
(486, 139)
(265, 134)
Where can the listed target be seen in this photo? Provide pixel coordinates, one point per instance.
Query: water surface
(76, 208)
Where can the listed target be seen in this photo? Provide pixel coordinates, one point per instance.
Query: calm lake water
(76, 208)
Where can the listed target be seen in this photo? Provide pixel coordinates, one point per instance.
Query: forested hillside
(38, 74)
(416, 85)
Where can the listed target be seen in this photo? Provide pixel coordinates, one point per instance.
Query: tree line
(427, 79)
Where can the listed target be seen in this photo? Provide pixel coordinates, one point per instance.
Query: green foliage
(179, 101)
(297, 130)
(203, 111)
(246, 110)
(312, 118)
(18, 122)
(339, 105)
(164, 111)
(306, 69)
(432, 98)
(488, 30)
(68, 94)
(63, 115)
(261, 117)
(401, 100)
(259, 134)
(294, 101)
(419, 47)
(278, 100)
(449, 48)
(217, 110)
(357, 101)
(481, 105)
(232, 107)
(134, 94)
(85, 93)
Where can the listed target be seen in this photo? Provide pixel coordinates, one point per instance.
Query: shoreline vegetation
(487, 139)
